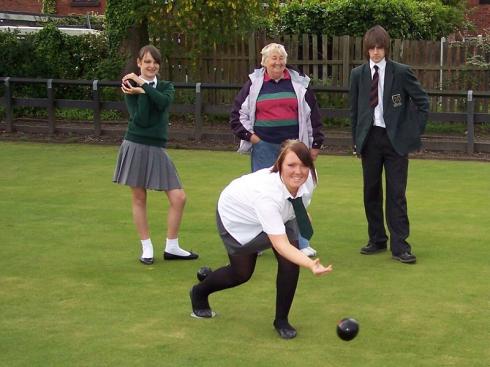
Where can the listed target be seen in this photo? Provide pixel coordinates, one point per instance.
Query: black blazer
(405, 106)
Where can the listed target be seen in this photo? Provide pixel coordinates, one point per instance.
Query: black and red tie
(373, 94)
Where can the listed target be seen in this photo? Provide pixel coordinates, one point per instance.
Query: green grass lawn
(72, 292)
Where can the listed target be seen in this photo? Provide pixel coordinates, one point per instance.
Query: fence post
(96, 99)
(251, 52)
(8, 106)
(470, 123)
(49, 86)
(198, 112)
(345, 60)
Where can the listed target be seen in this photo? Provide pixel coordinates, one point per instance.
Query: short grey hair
(270, 48)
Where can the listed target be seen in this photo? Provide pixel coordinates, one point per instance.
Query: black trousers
(378, 153)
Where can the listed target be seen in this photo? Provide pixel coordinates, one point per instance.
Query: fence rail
(199, 108)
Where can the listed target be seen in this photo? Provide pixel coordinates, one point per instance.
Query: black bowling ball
(347, 329)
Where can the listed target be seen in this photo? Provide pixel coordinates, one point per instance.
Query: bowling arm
(287, 250)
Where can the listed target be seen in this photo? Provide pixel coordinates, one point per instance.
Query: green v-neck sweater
(149, 114)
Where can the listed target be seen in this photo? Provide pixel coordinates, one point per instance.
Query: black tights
(240, 270)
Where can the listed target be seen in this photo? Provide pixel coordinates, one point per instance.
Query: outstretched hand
(319, 269)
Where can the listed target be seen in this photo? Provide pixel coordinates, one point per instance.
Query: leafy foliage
(122, 15)
(207, 21)
(479, 57)
(204, 22)
(96, 21)
(48, 6)
(412, 19)
(52, 54)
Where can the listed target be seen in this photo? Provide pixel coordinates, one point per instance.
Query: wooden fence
(198, 108)
(329, 61)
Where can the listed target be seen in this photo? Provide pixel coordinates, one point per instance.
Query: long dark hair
(376, 37)
(301, 150)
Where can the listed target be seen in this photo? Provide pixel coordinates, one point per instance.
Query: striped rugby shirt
(276, 116)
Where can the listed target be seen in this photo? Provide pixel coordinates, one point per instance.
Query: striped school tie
(373, 94)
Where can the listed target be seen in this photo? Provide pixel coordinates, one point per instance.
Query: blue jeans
(264, 155)
(303, 242)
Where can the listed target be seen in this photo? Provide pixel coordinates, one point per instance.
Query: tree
(127, 28)
(204, 22)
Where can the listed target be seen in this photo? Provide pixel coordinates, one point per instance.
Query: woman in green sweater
(143, 163)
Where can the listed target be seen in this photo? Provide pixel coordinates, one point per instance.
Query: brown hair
(376, 37)
(153, 51)
(301, 150)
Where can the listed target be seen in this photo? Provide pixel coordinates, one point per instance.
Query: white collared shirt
(378, 110)
(258, 202)
(151, 81)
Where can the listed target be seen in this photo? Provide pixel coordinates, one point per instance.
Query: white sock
(147, 248)
(172, 247)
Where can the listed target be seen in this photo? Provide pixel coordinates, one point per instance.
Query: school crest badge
(397, 100)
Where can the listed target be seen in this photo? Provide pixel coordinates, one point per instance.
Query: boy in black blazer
(389, 112)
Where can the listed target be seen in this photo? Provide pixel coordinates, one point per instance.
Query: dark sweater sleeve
(161, 96)
(236, 126)
(316, 119)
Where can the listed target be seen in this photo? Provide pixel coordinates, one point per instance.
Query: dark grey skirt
(260, 243)
(150, 167)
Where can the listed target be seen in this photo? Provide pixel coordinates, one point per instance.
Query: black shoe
(169, 256)
(405, 257)
(284, 329)
(146, 260)
(371, 249)
(200, 308)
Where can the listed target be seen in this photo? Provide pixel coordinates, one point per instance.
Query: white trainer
(309, 251)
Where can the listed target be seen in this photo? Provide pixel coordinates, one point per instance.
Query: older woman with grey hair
(274, 105)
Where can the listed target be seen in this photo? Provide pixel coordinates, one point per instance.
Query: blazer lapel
(366, 83)
(387, 86)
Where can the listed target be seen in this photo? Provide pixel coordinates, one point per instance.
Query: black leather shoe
(371, 249)
(200, 308)
(169, 256)
(146, 260)
(405, 257)
(284, 329)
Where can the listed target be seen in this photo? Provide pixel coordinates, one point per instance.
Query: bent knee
(242, 277)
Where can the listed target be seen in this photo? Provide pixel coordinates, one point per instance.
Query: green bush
(53, 54)
(17, 55)
(406, 19)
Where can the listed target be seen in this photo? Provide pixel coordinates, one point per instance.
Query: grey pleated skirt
(150, 167)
